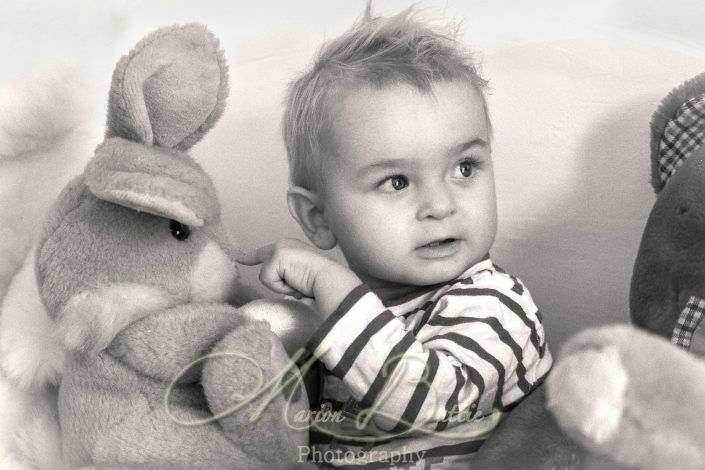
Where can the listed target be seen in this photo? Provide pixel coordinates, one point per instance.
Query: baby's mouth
(437, 243)
(439, 249)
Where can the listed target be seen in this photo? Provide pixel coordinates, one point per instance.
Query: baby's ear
(677, 129)
(170, 89)
(306, 208)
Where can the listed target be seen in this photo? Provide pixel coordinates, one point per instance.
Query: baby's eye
(464, 169)
(178, 230)
(394, 183)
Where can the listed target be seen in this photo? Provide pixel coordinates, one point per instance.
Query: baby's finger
(254, 257)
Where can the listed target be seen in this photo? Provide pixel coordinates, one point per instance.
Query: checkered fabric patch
(683, 134)
(687, 322)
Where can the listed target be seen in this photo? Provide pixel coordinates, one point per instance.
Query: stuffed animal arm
(162, 344)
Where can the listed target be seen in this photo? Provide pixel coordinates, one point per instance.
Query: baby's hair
(375, 52)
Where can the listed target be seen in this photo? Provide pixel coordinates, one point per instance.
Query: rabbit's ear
(170, 89)
(162, 182)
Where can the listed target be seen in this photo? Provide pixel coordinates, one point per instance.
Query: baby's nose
(437, 202)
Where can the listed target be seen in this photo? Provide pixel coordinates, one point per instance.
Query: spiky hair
(375, 52)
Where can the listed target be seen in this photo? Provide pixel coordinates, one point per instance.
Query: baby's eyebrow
(463, 146)
(392, 163)
(402, 163)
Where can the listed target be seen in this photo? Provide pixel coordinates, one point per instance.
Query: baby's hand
(292, 267)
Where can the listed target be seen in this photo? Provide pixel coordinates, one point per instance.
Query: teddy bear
(120, 346)
(636, 394)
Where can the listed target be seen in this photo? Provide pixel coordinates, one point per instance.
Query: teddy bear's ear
(170, 89)
(163, 182)
(677, 129)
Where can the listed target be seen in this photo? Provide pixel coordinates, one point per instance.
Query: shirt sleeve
(474, 350)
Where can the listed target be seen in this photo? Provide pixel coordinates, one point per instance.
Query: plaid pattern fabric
(687, 322)
(683, 134)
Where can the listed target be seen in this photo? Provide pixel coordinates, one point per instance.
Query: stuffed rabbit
(133, 267)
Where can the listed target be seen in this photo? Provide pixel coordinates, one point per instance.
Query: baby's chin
(399, 284)
(440, 273)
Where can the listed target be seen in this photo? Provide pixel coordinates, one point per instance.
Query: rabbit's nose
(213, 274)
(224, 240)
(233, 251)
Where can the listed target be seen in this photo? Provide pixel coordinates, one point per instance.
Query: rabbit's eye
(180, 231)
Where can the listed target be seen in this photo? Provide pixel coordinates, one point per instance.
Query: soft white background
(573, 86)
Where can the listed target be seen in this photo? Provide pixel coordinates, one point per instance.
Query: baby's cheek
(212, 275)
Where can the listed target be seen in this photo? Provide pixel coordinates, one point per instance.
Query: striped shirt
(423, 380)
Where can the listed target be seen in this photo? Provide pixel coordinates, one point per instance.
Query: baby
(425, 342)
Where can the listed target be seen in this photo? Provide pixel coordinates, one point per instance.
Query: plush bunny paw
(90, 320)
(631, 396)
(587, 393)
(30, 357)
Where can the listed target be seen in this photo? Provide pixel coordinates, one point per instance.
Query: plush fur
(29, 431)
(641, 405)
(89, 320)
(597, 418)
(636, 397)
(213, 274)
(32, 362)
(30, 355)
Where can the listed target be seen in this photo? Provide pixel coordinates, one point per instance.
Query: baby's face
(409, 192)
